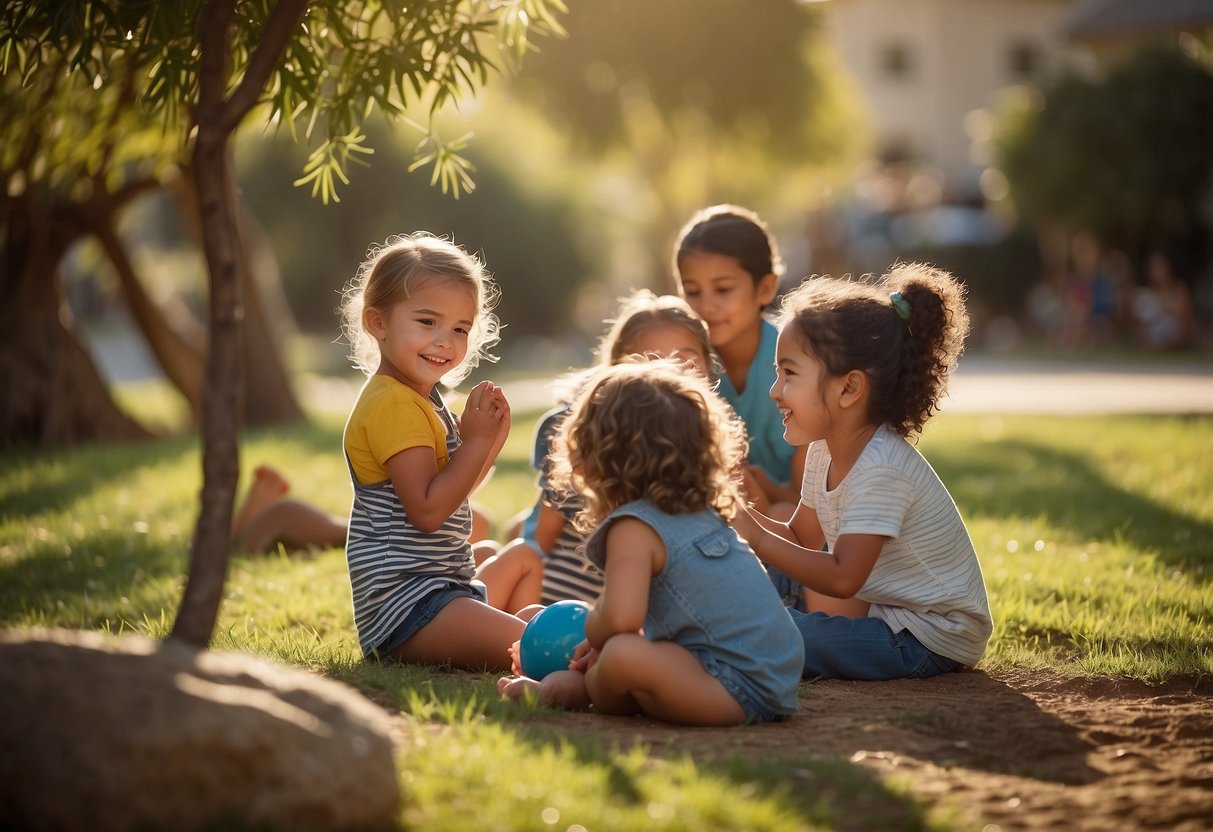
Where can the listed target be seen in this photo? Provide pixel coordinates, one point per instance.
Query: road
(983, 384)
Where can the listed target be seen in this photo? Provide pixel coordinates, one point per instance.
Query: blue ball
(551, 636)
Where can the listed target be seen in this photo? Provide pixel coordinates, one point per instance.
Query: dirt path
(1008, 751)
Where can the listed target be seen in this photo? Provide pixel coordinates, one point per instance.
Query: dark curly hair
(649, 430)
(906, 332)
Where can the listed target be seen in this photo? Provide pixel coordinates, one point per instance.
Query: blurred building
(932, 71)
(932, 76)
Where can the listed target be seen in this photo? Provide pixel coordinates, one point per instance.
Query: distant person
(727, 265)
(418, 313)
(1093, 297)
(688, 628)
(1162, 309)
(861, 369)
(267, 518)
(547, 564)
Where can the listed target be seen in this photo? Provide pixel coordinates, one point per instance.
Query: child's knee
(622, 655)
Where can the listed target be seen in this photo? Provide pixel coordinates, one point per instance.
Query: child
(546, 564)
(418, 313)
(728, 269)
(268, 519)
(861, 369)
(651, 450)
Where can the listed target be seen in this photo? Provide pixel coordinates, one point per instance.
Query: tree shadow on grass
(833, 765)
(820, 791)
(1025, 479)
(52, 481)
(111, 574)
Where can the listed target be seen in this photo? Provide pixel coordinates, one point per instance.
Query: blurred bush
(528, 237)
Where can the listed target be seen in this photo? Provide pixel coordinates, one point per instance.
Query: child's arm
(634, 554)
(788, 492)
(491, 394)
(802, 528)
(838, 573)
(430, 496)
(549, 527)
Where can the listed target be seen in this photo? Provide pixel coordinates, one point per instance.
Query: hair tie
(900, 305)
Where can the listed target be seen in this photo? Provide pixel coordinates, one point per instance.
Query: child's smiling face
(801, 391)
(724, 294)
(424, 336)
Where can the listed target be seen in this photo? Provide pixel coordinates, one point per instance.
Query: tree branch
(278, 30)
(212, 38)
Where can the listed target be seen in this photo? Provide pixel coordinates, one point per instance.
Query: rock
(130, 733)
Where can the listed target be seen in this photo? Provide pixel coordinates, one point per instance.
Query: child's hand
(584, 657)
(503, 426)
(757, 477)
(484, 412)
(747, 527)
(515, 651)
(753, 490)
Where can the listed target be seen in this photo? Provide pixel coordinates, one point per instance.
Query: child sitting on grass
(861, 368)
(688, 628)
(546, 564)
(727, 266)
(419, 313)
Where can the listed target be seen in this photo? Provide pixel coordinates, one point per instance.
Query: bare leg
(294, 524)
(268, 486)
(514, 577)
(661, 679)
(513, 526)
(482, 550)
(466, 634)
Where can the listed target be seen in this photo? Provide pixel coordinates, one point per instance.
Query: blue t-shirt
(763, 422)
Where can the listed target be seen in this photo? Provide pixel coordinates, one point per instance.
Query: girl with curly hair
(861, 368)
(687, 628)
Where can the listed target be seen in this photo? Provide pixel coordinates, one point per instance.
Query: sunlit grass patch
(1095, 537)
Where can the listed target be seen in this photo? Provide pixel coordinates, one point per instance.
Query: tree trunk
(54, 395)
(222, 391)
(215, 119)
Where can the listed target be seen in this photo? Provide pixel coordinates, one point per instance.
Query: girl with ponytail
(861, 367)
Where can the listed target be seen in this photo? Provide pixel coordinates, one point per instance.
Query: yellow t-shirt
(390, 417)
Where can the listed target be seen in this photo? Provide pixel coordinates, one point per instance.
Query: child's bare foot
(268, 487)
(516, 687)
(561, 689)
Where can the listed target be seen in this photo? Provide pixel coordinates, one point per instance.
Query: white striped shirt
(392, 563)
(927, 578)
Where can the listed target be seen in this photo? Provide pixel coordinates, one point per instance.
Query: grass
(1095, 535)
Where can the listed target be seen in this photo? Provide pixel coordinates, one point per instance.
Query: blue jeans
(425, 611)
(790, 592)
(867, 649)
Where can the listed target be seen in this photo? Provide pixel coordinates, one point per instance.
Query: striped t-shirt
(566, 572)
(393, 564)
(927, 578)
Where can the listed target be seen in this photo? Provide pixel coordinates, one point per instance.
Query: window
(1023, 61)
(896, 61)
